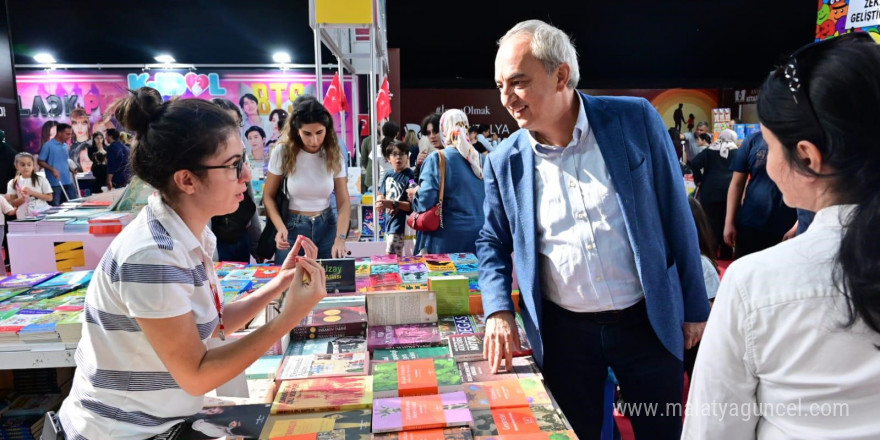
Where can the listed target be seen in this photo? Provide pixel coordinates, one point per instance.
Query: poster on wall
(838, 17)
(80, 98)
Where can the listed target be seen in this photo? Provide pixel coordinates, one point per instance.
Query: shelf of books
(393, 352)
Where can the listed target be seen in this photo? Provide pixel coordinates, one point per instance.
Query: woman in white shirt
(792, 348)
(308, 155)
(153, 306)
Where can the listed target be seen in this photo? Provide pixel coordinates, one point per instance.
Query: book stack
(23, 225)
(324, 394)
(109, 222)
(51, 225)
(334, 317)
(325, 357)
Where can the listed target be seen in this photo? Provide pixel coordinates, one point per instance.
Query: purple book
(26, 279)
(421, 412)
(385, 337)
(413, 268)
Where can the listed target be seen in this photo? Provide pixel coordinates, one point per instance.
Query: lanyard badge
(219, 305)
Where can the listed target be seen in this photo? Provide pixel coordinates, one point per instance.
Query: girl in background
(30, 193)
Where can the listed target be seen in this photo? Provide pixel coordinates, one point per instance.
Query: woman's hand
(411, 193)
(307, 289)
(281, 239)
(338, 250)
(26, 191)
(288, 267)
(421, 158)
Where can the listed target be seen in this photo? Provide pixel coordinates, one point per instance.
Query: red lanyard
(219, 306)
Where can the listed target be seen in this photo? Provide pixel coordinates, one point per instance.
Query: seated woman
(462, 212)
(144, 362)
(793, 341)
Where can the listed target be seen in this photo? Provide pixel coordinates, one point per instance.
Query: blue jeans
(238, 251)
(58, 199)
(321, 229)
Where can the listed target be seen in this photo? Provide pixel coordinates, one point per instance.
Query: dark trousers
(715, 213)
(58, 197)
(579, 348)
(238, 251)
(750, 240)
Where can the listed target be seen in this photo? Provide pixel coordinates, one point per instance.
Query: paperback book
(404, 336)
(355, 424)
(508, 393)
(403, 354)
(401, 307)
(340, 274)
(415, 378)
(324, 394)
(544, 435)
(522, 420)
(334, 317)
(452, 294)
(26, 279)
(324, 365)
(228, 422)
(421, 412)
(427, 434)
(481, 371)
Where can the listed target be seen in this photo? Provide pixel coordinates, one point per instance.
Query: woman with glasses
(308, 156)
(462, 210)
(148, 352)
(793, 342)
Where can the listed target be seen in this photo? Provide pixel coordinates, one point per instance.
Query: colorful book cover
(26, 279)
(415, 378)
(340, 344)
(404, 336)
(403, 354)
(414, 277)
(401, 307)
(437, 258)
(6, 293)
(481, 371)
(39, 293)
(324, 365)
(324, 394)
(522, 420)
(337, 434)
(334, 317)
(267, 272)
(76, 279)
(235, 285)
(340, 274)
(413, 268)
(354, 423)
(439, 266)
(549, 435)
(509, 393)
(75, 300)
(21, 320)
(452, 294)
(385, 279)
(470, 270)
(461, 258)
(361, 284)
(243, 274)
(384, 259)
(411, 259)
(264, 368)
(222, 268)
(427, 434)
(383, 268)
(362, 269)
(456, 325)
(421, 412)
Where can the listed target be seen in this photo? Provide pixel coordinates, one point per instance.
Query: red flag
(343, 101)
(334, 96)
(383, 101)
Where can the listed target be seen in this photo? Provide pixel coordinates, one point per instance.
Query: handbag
(432, 219)
(266, 245)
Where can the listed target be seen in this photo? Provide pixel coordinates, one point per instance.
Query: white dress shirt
(586, 262)
(775, 343)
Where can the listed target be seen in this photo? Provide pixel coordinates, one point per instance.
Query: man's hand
(729, 234)
(791, 232)
(693, 332)
(56, 173)
(501, 340)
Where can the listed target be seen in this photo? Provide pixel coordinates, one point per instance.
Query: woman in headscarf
(462, 210)
(715, 180)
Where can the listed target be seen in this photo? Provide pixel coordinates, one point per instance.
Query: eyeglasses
(238, 166)
(397, 155)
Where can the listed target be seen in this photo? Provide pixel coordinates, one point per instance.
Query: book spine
(329, 331)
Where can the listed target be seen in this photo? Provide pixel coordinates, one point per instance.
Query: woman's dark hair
(226, 104)
(434, 120)
(46, 131)
(248, 96)
(97, 134)
(835, 108)
(390, 131)
(675, 135)
(257, 129)
(401, 146)
(172, 135)
(282, 115)
(708, 247)
(706, 137)
(308, 110)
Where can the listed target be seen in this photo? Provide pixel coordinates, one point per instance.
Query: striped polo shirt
(155, 268)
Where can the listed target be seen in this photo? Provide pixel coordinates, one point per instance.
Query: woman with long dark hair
(793, 341)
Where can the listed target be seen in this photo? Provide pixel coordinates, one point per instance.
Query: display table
(35, 252)
(47, 355)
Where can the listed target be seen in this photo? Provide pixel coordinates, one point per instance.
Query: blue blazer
(643, 166)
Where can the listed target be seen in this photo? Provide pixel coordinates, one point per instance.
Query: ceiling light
(281, 57)
(164, 58)
(44, 58)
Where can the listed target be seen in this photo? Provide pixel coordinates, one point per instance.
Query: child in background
(30, 191)
(392, 195)
(99, 171)
(711, 275)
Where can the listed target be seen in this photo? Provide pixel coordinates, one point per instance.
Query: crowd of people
(617, 268)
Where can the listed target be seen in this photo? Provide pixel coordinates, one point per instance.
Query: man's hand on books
(501, 340)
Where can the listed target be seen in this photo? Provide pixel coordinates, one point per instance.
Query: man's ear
(185, 181)
(563, 74)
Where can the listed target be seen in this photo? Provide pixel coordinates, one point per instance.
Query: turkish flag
(334, 100)
(383, 101)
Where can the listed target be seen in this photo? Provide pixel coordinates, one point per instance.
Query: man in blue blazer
(588, 198)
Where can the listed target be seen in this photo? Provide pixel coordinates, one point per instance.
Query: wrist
(341, 237)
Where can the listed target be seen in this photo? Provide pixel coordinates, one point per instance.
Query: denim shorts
(321, 229)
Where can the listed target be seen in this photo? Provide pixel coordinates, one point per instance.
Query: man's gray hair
(703, 124)
(549, 45)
